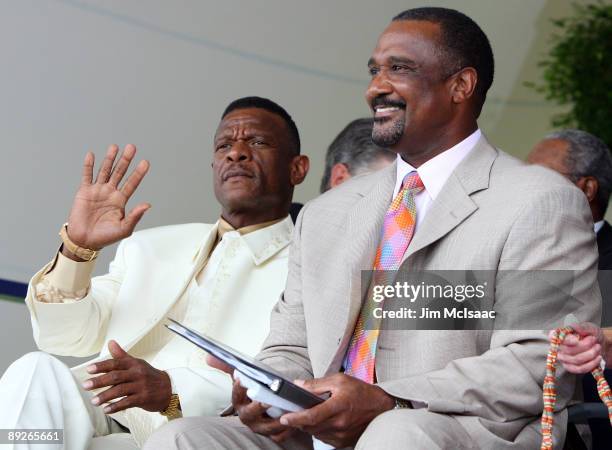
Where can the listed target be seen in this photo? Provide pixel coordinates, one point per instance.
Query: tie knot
(412, 181)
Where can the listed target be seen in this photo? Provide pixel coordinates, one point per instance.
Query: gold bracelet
(173, 410)
(83, 253)
(400, 403)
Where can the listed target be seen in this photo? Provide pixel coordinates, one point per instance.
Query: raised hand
(98, 217)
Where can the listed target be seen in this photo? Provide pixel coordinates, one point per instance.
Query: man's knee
(217, 433)
(420, 428)
(175, 434)
(34, 357)
(34, 360)
(391, 428)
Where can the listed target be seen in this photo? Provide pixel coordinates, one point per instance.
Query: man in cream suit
(221, 279)
(468, 206)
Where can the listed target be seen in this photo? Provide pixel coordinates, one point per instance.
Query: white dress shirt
(434, 173)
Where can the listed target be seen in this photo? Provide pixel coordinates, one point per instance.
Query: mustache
(236, 170)
(385, 101)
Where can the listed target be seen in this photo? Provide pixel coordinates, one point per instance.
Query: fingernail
(91, 369)
(284, 421)
(95, 400)
(87, 384)
(299, 382)
(107, 409)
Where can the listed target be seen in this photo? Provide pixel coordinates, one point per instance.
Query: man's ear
(463, 84)
(299, 167)
(590, 187)
(339, 174)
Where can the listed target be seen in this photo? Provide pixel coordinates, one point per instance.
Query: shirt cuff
(172, 385)
(68, 275)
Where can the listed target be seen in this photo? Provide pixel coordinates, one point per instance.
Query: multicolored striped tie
(398, 229)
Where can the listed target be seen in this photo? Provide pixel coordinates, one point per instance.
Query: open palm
(98, 217)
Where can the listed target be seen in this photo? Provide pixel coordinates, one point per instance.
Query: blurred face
(252, 163)
(407, 93)
(551, 153)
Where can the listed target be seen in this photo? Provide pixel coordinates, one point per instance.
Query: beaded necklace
(550, 391)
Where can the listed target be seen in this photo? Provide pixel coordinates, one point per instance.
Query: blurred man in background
(353, 153)
(221, 279)
(586, 161)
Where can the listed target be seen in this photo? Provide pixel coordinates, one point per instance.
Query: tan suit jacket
(493, 213)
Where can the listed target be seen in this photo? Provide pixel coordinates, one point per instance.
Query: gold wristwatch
(173, 410)
(85, 254)
(400, 403)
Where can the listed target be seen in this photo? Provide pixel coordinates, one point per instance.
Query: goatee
(385, 134)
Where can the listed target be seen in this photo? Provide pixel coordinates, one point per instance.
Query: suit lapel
(364, 229)
(171, 280)
(364, 226)
(187, 268)
(453, 204)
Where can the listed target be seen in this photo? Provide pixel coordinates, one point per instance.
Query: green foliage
(578, 70)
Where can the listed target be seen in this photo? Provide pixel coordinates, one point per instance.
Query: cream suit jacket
(493, 213)
(150, 272)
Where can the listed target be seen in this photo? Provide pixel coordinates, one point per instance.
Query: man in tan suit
(478, 209)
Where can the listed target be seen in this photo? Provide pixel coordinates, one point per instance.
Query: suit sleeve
(286, 347)
(552, 232)
(76, 328)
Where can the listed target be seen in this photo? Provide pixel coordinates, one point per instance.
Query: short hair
(273, 107)
(588, 156)
(463, 44)
(354, 148)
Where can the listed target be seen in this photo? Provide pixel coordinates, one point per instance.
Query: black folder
(248, 366)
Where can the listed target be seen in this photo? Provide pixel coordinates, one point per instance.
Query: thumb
(115, 350)
(317, 385)
(586, 329)
(135, 215)
(218, 364)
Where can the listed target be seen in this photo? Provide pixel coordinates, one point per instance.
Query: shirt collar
(263, 240)
(224, 227)
(436, 171)
(598, 225)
